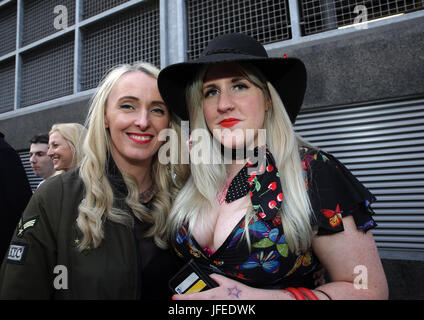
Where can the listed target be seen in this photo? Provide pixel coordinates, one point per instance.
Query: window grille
(7, 85)
(265, 20)
(47, 71)
(8, 29)
(122, 38)
(93, 7)
(322, 15)
(39, 18)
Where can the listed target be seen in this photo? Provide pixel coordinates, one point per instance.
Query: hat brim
(287, 75)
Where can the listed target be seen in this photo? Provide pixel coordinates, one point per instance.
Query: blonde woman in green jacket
(97, 232)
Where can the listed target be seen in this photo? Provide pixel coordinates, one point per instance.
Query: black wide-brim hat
(287, 75)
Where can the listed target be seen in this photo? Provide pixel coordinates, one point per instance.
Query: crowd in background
(51, 153)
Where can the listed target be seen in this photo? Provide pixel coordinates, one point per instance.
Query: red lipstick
(140, 138)
(229, 122)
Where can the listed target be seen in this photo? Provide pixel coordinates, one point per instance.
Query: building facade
(364, 102)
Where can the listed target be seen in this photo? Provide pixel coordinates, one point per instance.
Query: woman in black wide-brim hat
(261, 220)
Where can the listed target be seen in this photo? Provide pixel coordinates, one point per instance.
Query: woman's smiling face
(60, 152)
(233, 105)
(135, 114)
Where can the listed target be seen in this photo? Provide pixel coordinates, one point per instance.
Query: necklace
(146, 195)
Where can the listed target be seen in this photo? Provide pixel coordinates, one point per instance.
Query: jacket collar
(115, 178)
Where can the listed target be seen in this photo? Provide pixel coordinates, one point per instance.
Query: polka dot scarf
(263, 184)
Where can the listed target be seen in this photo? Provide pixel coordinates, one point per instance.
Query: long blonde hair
(97, 204)
(198, 196)
(74, 134)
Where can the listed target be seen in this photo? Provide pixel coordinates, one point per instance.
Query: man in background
(15, 193)
(41, 163)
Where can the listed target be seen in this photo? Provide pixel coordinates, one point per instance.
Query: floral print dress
(334, 193)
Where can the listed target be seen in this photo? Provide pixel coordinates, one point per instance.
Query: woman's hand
(229, 289)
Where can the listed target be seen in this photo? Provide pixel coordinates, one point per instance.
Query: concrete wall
(19, 130)
(405, 278)
(373, 64)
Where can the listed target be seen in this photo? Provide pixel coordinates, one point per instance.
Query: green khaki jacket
(44, 263)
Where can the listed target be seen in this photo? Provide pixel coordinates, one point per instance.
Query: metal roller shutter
(383, 145)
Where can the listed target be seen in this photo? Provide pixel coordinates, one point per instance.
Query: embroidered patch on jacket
(17, 253)
(23, 226)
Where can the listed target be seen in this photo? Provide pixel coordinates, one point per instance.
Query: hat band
(226, 51)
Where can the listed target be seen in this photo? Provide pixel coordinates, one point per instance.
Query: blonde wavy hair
(97, 205)
(74, 134)
(198, 196)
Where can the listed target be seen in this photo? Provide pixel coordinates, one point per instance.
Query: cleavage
(222, 220)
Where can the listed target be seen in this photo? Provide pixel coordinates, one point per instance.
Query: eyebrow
(137, 99)
(157, 102)
(233, 80)
(128, 97)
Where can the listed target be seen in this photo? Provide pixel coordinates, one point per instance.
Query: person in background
(261, 223)
(104, 223)
(65, 145)
(41, 163)
(15, 192)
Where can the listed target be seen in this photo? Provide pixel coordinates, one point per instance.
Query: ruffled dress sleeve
(335, 193)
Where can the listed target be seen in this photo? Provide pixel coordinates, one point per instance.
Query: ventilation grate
(126, 37)
(8, 28)
(40, 19)
(7, 85)
(47, 72)
(265, 20)
(318, 16)
(94, 7)
(383, 145)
